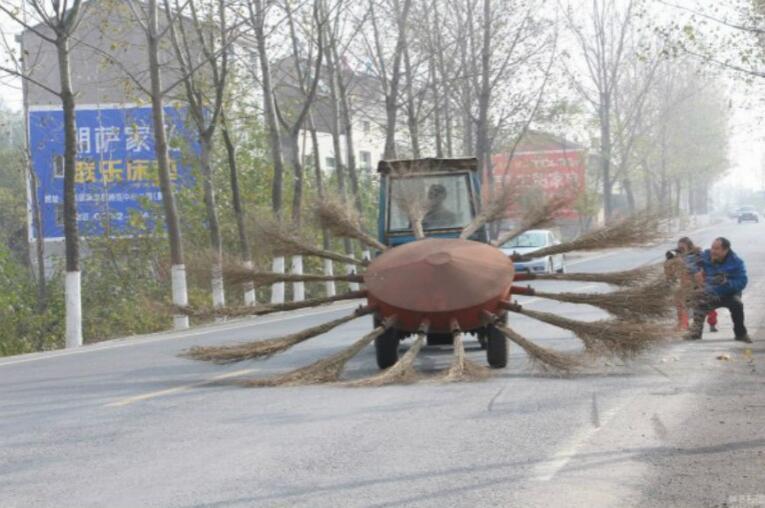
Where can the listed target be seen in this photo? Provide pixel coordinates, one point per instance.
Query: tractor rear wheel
(386, 348)
(496, 348)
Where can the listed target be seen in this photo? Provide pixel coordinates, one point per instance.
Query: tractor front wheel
(496, 348)
(386, 348)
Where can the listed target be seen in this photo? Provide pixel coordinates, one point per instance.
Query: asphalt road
(128, 423)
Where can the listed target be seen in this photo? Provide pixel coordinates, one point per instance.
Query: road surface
(128, 423)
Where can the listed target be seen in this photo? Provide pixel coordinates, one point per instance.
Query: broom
(461, 368)
(535, 218)
(620, 337)
(326, 370)
(260, 310)
(624, 278)
(238, 274)
(286, 244)
(544, 358)
(268, 347)
(653, 300)
(401, 372)
(494, 210)
(343, 221)
(635, 231)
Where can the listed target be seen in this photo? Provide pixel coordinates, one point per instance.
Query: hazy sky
(747, 146)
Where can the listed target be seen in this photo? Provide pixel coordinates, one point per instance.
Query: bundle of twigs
(326, 370)
(260, 310)
(653, 300)
(496, 209)
(462, 369)
(285, 244)
(544, 358)
(620, 337)
(632, 277)
(238, 274)
(269, 347)
(638, 230)
(536, 217)
(343, 221)
(401, 372)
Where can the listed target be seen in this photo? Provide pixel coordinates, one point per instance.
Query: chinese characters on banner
(116, 170)
(554, 172)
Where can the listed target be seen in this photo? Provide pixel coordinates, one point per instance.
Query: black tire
(386, 348)
(496, 348)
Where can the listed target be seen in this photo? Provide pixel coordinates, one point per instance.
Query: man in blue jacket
(722, 275)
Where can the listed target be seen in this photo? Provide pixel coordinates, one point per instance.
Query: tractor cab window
(443, 200)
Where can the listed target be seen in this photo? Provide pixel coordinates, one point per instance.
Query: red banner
(554, 172)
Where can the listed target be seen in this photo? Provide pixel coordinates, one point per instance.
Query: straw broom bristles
(624, 278)
(545, 358)
(535, 218)
(238, 274)
(620, 337)
(268, 347)
(284, 244)
(326, 370)
(653, 300)
(494, 210)
(638, 230)
(343, 221)
(401, 372)
(461, 368)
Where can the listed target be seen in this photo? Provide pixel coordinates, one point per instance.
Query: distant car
(531, 241)
(748, 213)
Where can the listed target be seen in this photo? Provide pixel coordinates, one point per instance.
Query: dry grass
(344, 221)
(536, 217)
(268, 347)
(401, 372)
(613, 336)
(326, 370)
(546, 359)
(632, 277)
(463, 369)
(653, 300)
(637, 230)
(496, 209)
(260, 310)
(412, 199)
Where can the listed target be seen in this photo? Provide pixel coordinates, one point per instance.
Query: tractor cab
(446, 193)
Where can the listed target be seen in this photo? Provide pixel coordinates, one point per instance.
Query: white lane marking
(162, 336)
(547, 470)
(177, 389)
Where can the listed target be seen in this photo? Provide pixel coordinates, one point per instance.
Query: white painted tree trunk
(277, 290)
(298, 288)
(180, 295)
(330, 284)
(366, 255)
(350, 269)
(72, 295)
(218, 293)
(249, 287)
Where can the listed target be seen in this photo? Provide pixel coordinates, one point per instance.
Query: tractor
(449, 194)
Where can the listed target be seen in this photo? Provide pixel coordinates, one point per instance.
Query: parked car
(748, 213)
(531, 241)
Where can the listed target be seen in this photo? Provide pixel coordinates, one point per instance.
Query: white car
(531, 241)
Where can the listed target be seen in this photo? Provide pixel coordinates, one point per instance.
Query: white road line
(547, 470)
(162, 336)
(177, 389)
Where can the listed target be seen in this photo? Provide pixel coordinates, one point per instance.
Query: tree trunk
(216, 244)
(605, 154)
(71, 234)
(414, 134)
(178, 270)
(291, 140)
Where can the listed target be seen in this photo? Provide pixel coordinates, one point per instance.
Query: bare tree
(56, 25)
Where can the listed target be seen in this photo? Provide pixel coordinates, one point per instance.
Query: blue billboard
(116, 176)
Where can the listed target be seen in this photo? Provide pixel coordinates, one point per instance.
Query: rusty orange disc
(439, 280)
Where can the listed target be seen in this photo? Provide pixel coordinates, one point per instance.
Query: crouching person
(721, 277)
